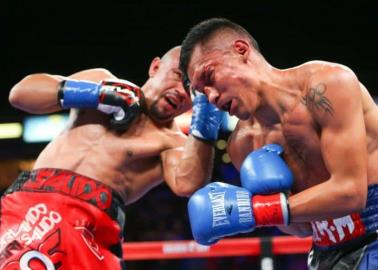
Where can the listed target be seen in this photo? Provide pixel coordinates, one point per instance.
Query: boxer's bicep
(343, 137)
(337, 109)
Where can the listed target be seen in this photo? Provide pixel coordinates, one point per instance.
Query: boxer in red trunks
(121, 141)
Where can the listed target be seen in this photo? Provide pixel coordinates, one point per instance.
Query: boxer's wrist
(206, 119)
(78, 94)
(208, 142)
(271, 210)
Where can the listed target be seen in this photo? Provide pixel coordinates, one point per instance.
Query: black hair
(203, 32)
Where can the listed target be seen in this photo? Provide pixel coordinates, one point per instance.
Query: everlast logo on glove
(219, 212)
(243, 201)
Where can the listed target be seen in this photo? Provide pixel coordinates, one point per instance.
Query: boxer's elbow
(359, 202)
(36, 93)
(353, 197)
(183, 193)
(184, 190)
(20, 93)
(16, 95)
(184, 187)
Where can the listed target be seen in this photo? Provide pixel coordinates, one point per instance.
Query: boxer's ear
(154, 66)
(241, 47)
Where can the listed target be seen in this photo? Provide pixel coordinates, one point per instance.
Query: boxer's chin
(159, 115)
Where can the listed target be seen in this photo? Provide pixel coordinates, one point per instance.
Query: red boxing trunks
(349, 242)
(57, 219)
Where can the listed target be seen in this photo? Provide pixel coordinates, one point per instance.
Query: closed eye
(177, 74)
(208, 76)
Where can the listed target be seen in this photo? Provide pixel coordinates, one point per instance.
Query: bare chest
(301, 139)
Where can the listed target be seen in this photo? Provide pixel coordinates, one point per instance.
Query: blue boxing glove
(206, 119)
(119, 98)
(218, 210)
(265, 172)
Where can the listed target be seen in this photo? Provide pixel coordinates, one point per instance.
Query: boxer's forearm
(189, 169)
(330, 199)
(196, 163)
(36, 93)
(297, 229)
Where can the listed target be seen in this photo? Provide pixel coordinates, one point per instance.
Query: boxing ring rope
(280, 245)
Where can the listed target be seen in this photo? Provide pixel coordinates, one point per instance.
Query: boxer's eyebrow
(198, 78)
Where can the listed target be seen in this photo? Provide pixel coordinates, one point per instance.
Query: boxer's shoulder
(152, 138)
(330, 90)
(316, 66)
(327, 74)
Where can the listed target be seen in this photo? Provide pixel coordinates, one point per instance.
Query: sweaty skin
(152, 149)
(319, 111)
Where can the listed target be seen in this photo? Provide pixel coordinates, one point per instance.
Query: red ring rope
(227, 247)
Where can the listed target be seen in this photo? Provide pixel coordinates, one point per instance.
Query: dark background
(62, 37)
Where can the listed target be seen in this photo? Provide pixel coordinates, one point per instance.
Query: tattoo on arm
(316, 99)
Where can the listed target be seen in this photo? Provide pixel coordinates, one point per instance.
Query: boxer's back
(129, 162)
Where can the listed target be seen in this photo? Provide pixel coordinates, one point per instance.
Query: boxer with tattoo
(306, 146)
